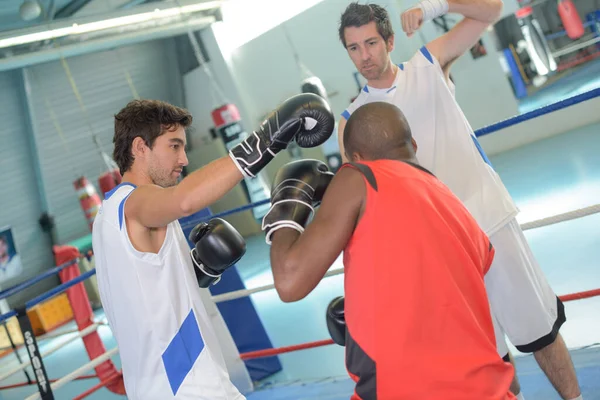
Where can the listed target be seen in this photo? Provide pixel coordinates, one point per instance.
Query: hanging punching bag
(109, 180)
(570, 19)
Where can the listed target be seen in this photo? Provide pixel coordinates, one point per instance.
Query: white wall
(268, 73)
(265, 71)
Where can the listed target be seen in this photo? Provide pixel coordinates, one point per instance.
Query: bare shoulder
(140, 198)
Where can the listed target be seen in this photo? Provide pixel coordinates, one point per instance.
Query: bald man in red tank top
(415, 319)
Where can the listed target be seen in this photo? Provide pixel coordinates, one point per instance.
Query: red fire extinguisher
(570, 19)
(88, 199)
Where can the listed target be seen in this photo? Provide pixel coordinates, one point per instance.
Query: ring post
(83, 313)
(34, 354)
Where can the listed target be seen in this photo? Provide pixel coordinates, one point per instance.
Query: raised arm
(479, 14)
(306, 118)
(300, 260)
(153, 206)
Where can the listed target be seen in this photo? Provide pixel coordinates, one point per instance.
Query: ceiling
(52, 10)
(64, 28)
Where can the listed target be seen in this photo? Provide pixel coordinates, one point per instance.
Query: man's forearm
(208, 184)
(284, 262)
(480, 10)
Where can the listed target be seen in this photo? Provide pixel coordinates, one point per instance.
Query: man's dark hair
(377, 130)
(147, 119)
(358, 15)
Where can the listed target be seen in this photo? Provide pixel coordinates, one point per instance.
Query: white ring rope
(247, 292)
(83, 333)
(554, 219)
(582, 212)
(78, 372)
(579, 213)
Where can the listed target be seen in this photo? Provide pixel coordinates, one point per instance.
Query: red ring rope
(98, 386)
(272, 352)
(580, 295)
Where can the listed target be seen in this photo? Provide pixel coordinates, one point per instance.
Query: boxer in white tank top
(152, 286)
(524, 307)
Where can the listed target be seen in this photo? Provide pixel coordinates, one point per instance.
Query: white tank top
(446, 143)
(167, 344)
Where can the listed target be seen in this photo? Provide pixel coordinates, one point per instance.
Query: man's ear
(414, 143)
(138, 147)
(390, 44)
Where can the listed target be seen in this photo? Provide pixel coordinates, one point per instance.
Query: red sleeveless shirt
(418, 317)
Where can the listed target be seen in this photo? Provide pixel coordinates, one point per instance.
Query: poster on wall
(10, 260)
(478, 50)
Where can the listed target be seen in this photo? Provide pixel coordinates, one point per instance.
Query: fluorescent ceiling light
(77, 29)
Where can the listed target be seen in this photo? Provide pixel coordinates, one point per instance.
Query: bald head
(378, 131)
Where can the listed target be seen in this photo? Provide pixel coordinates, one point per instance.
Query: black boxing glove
(336, 321)
(217, 246)
(297, 188)
(306, 117)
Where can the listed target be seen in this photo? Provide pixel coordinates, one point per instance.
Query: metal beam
(105, 43)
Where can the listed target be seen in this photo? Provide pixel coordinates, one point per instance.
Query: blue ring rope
(538, 112)
(22, 286)
(225, 213)
(51, 293)
(480, 132)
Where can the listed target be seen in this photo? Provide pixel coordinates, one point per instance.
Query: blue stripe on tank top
(346, 114)
(122, 210)
(481, 152)
(113, 190)
(427, 54)
(183, 351)
(365, 89)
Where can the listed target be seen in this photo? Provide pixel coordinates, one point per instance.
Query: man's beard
(375, 73)
(162, 177)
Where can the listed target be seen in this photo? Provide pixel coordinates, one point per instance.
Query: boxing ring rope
(22, 286)
(319, 343)
(49, 335)
(247, 292)
(33, 382)
(51, 293)
(77, 374)
(559, 105)
(83, 333)
(97, 387)
(579, 213)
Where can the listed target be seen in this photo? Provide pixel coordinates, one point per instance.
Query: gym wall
(20, 205)
(101, 82)
(267, 73)
(33, 148)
